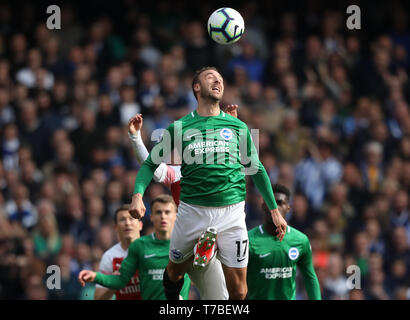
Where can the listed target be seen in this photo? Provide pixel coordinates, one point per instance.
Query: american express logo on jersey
(157, 274)
(274, 273)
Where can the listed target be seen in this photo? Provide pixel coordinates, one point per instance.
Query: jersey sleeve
(105, 266)
(155, 158)
(257, 171)
(141, 152)
(310, 279)
(128, 268)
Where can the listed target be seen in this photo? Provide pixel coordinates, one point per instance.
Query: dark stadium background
(332, 106)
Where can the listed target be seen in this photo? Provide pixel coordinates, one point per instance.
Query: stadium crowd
(331, 106)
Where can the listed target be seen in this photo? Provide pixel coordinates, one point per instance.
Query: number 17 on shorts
(241, 250)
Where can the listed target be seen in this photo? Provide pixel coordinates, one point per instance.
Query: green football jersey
(214, 151)
(150, 256)
(272, 265)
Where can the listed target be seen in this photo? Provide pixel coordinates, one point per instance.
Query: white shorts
(229, 221)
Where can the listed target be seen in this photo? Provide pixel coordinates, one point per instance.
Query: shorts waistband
(197, 206)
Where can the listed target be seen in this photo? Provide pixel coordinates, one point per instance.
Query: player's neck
(162, 235)
(208, 109)
(125, 243)
(270, 228)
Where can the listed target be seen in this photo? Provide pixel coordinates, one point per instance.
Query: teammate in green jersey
(272, 264)
(212, 191)
(148, 254)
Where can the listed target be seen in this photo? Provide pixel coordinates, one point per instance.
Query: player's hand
(86, 276)
(232, 109)
(280, 223)
(135, 124)
(137, 207)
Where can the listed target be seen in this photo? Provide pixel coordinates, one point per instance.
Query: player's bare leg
(236, 282)
(174, 278)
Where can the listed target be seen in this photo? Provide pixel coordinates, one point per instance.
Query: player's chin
(164, 227)
(216, 96)
(128, 236)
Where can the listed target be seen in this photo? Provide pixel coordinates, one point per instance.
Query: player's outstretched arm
(141, 153)
(305, 266)
(279, 222)
(261, 179)
(137, 207)
(134, 133)
(146, 172)
(114, 281)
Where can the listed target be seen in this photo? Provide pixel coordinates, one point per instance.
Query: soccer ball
(226, 26)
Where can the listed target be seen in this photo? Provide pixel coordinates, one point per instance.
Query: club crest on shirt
(293, 253)
(176, 254)
(226, 134)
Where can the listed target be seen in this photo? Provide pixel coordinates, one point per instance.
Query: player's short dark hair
(280, 188)
(195, 79)
(124, 207)
(163, 198)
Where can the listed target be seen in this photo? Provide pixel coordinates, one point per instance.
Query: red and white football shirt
(111, 262)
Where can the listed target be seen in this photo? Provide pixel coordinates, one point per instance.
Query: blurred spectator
(361, 251)
(29, 262)
(320, 244)
(86, 136)
(398, 277)
(147, 53)
(33, 131)
(20, 209)
(373, 230)
(81, 259)
(63, 159)
(400, 214)
(73, 31)
(47, 240)
(114, 197)
(10, 147)
(301, 217)
(70, 287)
(292, 139)
(356, 294)
(175, 101)
(372, 166)
(198, 49)
(128, 107)
(148, 90)
(399, 247)
(85, 229)
(338, 197)
(337, 224)
(376, 286)
(108, 115)
(105, 238)
(286, 175)
(248, 60)
(35, 288)
(335, 284)
(317, 172)
(7, 113)
(29, 76)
